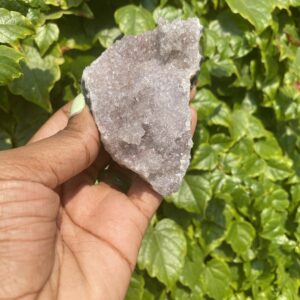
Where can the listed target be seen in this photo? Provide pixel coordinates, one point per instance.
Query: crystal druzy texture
(139, 91)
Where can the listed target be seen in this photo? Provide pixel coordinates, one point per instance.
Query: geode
(139, 91)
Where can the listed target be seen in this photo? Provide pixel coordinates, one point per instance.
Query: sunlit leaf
(163, 250)
(10, 67)
(134, 20)
(13, 26)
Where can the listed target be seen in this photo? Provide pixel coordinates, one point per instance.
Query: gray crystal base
(139, 91)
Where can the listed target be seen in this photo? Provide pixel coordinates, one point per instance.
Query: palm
(100, 233)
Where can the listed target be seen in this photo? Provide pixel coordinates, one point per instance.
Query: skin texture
(62, 236)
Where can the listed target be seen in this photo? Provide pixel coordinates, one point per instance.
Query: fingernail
(78, 105)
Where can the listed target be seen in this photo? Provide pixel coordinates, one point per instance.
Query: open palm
(62, 236)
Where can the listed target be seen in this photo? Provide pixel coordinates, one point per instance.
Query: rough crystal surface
(139, 91)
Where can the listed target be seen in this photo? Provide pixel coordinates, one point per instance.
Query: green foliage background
(233, 229)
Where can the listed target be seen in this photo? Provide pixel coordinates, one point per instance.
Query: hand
(62, 236)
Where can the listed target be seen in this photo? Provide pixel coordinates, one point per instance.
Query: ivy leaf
(13, 26)
(82, 10)
(238, 125)
(212, 236)
(134, 20)
(163, 251)
(21, 121)
(74, 34)
(285, 4)
(168, 13)
(240, 236)
(278, 169)
(205, 158)
(216, 278)
(40, 74)
(136, 288)
(253, 166)
(9, 61)
(191, 275)
(257, 12)
(268, 148)
(193, 267)
(206, 103)
(64, 4)
(45, 36)
(223, 68)
(4, 101)
(108, 36)
(221, 142)
(28, 118)
(272, 223)
(255, 128)
(183, 294)
(193, 195)
(17, 6)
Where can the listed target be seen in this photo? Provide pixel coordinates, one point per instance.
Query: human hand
(62, 236)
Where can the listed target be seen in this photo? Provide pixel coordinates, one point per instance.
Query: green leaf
(74, 34)
(136, 288)
(257, 12)
(229, 35)
(253, 166)
(255, 128)
(82, 10)
(40, 74)
(4, 101)
(243, 148)
(162, 252)
(240, 236)
(108, 36)
(272, 223)
(134, 20)
(212, 236)
(193, 268)
(9, 62)
(13, 26)
(258, 269)
(213, 229)
(46, 36)
(223, 68)
(285, 4)
(18, 6)
(205, 158)
(242, 200)
(216, 279)
(34, 3)
(278, 169)
(167, 13)
(268, 148)
(221, 142)
(21, 121)
(239, 124)
(205, 103)
(279, 199)
(183, 294)
(64, 4)
(193, 195)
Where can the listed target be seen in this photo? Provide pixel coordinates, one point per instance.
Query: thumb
(56, 159)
